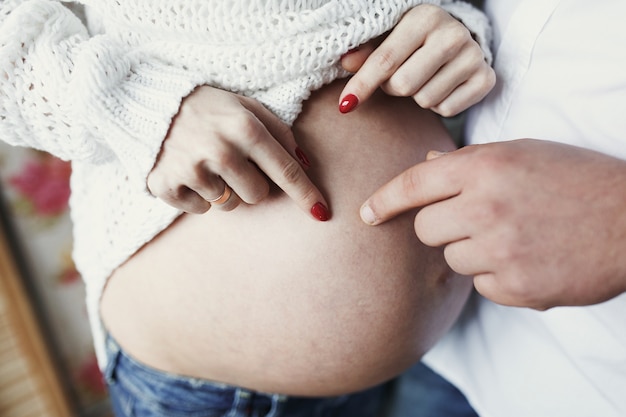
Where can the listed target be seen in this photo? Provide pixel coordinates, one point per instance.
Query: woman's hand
(429, 56)
(219, 140)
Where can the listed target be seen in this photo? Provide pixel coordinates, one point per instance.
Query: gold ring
(223, 197)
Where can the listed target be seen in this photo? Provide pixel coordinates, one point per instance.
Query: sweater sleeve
(80, 97)
(475, 20)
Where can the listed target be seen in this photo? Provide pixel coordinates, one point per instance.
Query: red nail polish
(303, 158)
(320, 212)
(348, 103)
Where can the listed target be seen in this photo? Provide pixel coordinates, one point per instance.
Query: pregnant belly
(266, 298)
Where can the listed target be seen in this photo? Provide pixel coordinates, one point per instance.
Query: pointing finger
(380, 65)
(420, 185)
(283, 168)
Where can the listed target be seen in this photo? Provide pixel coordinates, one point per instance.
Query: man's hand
(538, 224)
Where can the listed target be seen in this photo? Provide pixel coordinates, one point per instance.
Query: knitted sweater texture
(101, 90)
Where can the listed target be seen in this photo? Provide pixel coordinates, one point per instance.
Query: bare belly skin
(266, 298)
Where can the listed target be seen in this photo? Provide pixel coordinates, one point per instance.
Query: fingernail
(348, 103)
(367, 215)
(303, 158)
(320, 212)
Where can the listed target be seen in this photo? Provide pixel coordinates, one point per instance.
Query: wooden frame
(29, 383)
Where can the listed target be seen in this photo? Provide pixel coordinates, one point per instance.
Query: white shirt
(561, 67)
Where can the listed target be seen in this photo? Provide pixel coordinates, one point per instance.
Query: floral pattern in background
(43, 185)
(36, 187)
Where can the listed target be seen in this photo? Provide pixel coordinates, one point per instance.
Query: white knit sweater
(102, 94)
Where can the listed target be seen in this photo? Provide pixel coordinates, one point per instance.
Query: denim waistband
(162, 388)
(138, 389)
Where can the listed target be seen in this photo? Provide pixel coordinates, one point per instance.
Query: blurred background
(47, 363)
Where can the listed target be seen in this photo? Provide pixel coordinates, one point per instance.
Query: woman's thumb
(352, 60)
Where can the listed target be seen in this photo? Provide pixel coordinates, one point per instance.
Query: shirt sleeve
(475, 20)
(82, 97)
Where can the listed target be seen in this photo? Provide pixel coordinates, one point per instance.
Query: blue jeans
(420, 392)
(137, 390)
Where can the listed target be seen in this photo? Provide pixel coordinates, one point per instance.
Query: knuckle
(491, 161)
(459, 35)
(198, 183)
(410, 182)
(446, 109)
(181, 197)
(224, 161)
(488, 213)
(453, 40)
(385, 60)
(452, 258)
(291, 171)
(400, 85)
(179, 193)
(476, 55)
(421, 226)
(217, 157)
(259, 193)
(522, 292)
(163, 189)
(427, 11)
(154, 184)
(506, 287)
(487, 78)
(541, 306)
(246, 124)
(425, 99)
(517, 289)
(198, 208)
(499, 161)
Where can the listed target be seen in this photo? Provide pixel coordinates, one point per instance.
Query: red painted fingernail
(348, 103)
(320, 212)
(303, 158)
